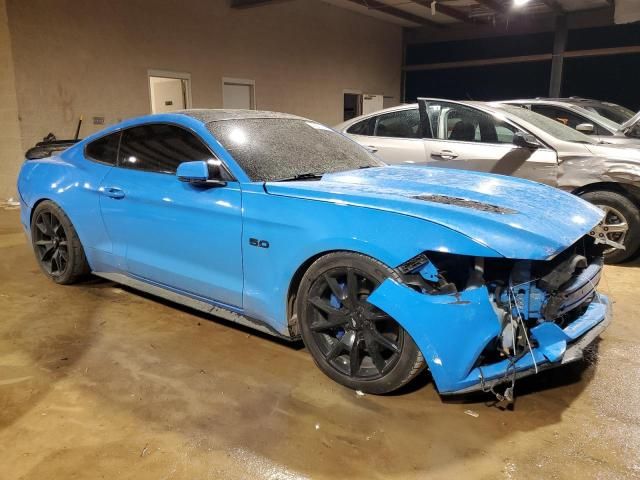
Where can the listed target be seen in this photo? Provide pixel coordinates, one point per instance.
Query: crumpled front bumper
(453, 330)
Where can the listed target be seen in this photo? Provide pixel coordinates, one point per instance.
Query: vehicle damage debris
(526, 314)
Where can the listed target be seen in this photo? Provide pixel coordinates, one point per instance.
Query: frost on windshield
(277, 148)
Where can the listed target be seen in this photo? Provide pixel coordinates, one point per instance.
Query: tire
(620, 211)
(334, 316)
(56, 245)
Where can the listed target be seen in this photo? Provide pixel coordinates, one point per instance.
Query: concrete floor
(101, 382)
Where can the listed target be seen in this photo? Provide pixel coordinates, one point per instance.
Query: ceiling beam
(494, 5)
(248, 3)
(555, 6)
(449, 11)
(396, 12)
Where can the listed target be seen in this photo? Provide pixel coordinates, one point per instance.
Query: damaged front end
(481, 322)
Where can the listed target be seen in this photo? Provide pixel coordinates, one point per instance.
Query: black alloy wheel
(356, 338)
(351, 340)
(56, 244)
(51, 244)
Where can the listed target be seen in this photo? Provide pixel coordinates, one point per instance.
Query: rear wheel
(56, 244)
(621, 223)
(351, 341)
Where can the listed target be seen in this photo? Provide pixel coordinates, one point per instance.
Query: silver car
(511, 140)
(604, 121)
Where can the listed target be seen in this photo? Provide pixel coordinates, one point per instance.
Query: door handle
(113, 192)
(371, 148)
(445, 155)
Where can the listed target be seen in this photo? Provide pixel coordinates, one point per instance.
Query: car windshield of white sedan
(272, 149)
(611, 111)
(549, 125)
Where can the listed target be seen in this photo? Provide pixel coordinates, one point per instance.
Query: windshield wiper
(301, 176)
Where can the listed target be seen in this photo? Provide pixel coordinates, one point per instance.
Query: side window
(505, 133)
(104, 150)
(400, 124)
(465, 124)
(160, 148)
(361, 128)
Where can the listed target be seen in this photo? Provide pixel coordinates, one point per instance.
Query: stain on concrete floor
(98, 381)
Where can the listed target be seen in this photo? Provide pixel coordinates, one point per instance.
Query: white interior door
(167, 94)
(238, 94)
(372, 103)
(169, 91)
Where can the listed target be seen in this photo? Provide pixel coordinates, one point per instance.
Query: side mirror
(587, 128)
(201, 173)
(525, 140)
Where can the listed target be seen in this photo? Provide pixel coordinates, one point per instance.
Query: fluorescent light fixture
(520, 3)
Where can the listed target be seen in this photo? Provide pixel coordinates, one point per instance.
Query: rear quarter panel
(73, 183)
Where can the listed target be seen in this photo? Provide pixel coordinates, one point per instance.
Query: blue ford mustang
(278, 222)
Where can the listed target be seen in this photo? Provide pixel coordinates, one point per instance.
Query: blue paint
(452, 330)
(429, 272)
(193, 171)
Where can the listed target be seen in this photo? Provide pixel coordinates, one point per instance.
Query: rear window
(400, 124)
(363, 127)
(104, 150)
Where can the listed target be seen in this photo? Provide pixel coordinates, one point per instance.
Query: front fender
(577, 172)
(450, 330)
(298, 230)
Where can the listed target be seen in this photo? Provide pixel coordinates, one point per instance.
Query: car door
(169, 232)
(394, 136)
(463, 137)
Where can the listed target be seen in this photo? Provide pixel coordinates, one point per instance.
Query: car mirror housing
(525, 140)
(201, 173)
(587, 128)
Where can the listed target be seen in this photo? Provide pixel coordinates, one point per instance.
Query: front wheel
(350, 340)
(621, 223)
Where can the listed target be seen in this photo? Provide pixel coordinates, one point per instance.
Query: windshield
(271, 149)
(552, 127)
(610, 111)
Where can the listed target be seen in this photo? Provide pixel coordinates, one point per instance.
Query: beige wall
(10, 147)
(90, 58)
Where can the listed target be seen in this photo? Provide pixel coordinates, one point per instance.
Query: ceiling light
(520, 3)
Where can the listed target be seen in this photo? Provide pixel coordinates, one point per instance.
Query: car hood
(516, 218)
(623, 152)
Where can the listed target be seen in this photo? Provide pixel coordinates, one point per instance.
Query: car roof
(208, 115)
(568, 100)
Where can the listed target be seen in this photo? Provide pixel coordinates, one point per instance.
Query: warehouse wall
(74, 57)
(10, 146)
